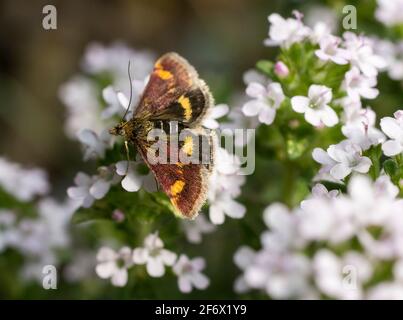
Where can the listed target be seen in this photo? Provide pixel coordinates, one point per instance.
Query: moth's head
(118, 130)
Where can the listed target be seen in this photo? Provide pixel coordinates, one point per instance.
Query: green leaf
(266, 67)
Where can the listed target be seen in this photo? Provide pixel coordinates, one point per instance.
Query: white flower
(225, 185)
(195, 228)
(342, 159)
(285, 32)
(114, 265)
(390, 12)
(341, 278)
(329, 50)
(118, 102)
(282, 234)
(362, 54)
(326, 219)
(360, 129)
(393, 128)
(23, 184)
(281, 275)
(315, 106)
(189, 274)
(266, 100)
(80, 97)
(357, 84)
(8, 232)
(88, 189)
(94, 145)
(133, 179)
(56, 217)
(216, 112)
(154, 256)
(320, 31)
(113, 59)
(243, 258)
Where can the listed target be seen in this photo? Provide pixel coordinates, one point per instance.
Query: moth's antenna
(131, 91)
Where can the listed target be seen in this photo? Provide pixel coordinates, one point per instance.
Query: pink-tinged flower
(342, 159)
(329, 50)
(285, 32)
(118, 215)
(362, 55)
(189, 274)
(281, 69)
(114, 265)
(266, 100)
(393, 128)
(360, 129)
(358, 85)
(243, 258)
(315, 107)
(154, 256)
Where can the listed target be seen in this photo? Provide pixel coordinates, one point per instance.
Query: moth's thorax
(136, 129)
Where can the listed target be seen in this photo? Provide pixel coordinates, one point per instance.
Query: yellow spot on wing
(185, 104)
(188, 145)
(163, 74)
(177, 187)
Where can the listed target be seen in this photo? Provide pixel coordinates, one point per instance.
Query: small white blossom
(189, 274)
(24, 184)
(315, 107)
(214, 113)
(94, 145)
(329, 50)
(362, 55)
(393, 128)
(390, 12)
(360, 129)
(266, 100)
(88, 189)
(243, 258)
(225, 185)
(342, 159)
(114, 265)
(331, 273)
(154, 256)
(195, 228)
(285, 32)
(133, 180)
(358, 85)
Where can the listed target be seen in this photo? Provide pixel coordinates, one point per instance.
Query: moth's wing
(174, 92)
(184, 180)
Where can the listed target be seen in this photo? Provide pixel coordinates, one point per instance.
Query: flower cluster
(34, 225)
(156, 258)
(299, 256)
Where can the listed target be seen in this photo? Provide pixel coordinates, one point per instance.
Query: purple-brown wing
(174, 92)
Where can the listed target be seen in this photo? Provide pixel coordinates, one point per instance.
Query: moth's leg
(127, 155)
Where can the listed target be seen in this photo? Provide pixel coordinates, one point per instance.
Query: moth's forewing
(174, 92)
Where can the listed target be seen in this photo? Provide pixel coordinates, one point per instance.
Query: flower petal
(155, 267)
(299, 103)
(340, 171)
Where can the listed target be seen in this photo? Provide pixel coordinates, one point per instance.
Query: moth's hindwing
(185, 177)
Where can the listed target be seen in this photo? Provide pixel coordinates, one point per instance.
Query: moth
(174, 98)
